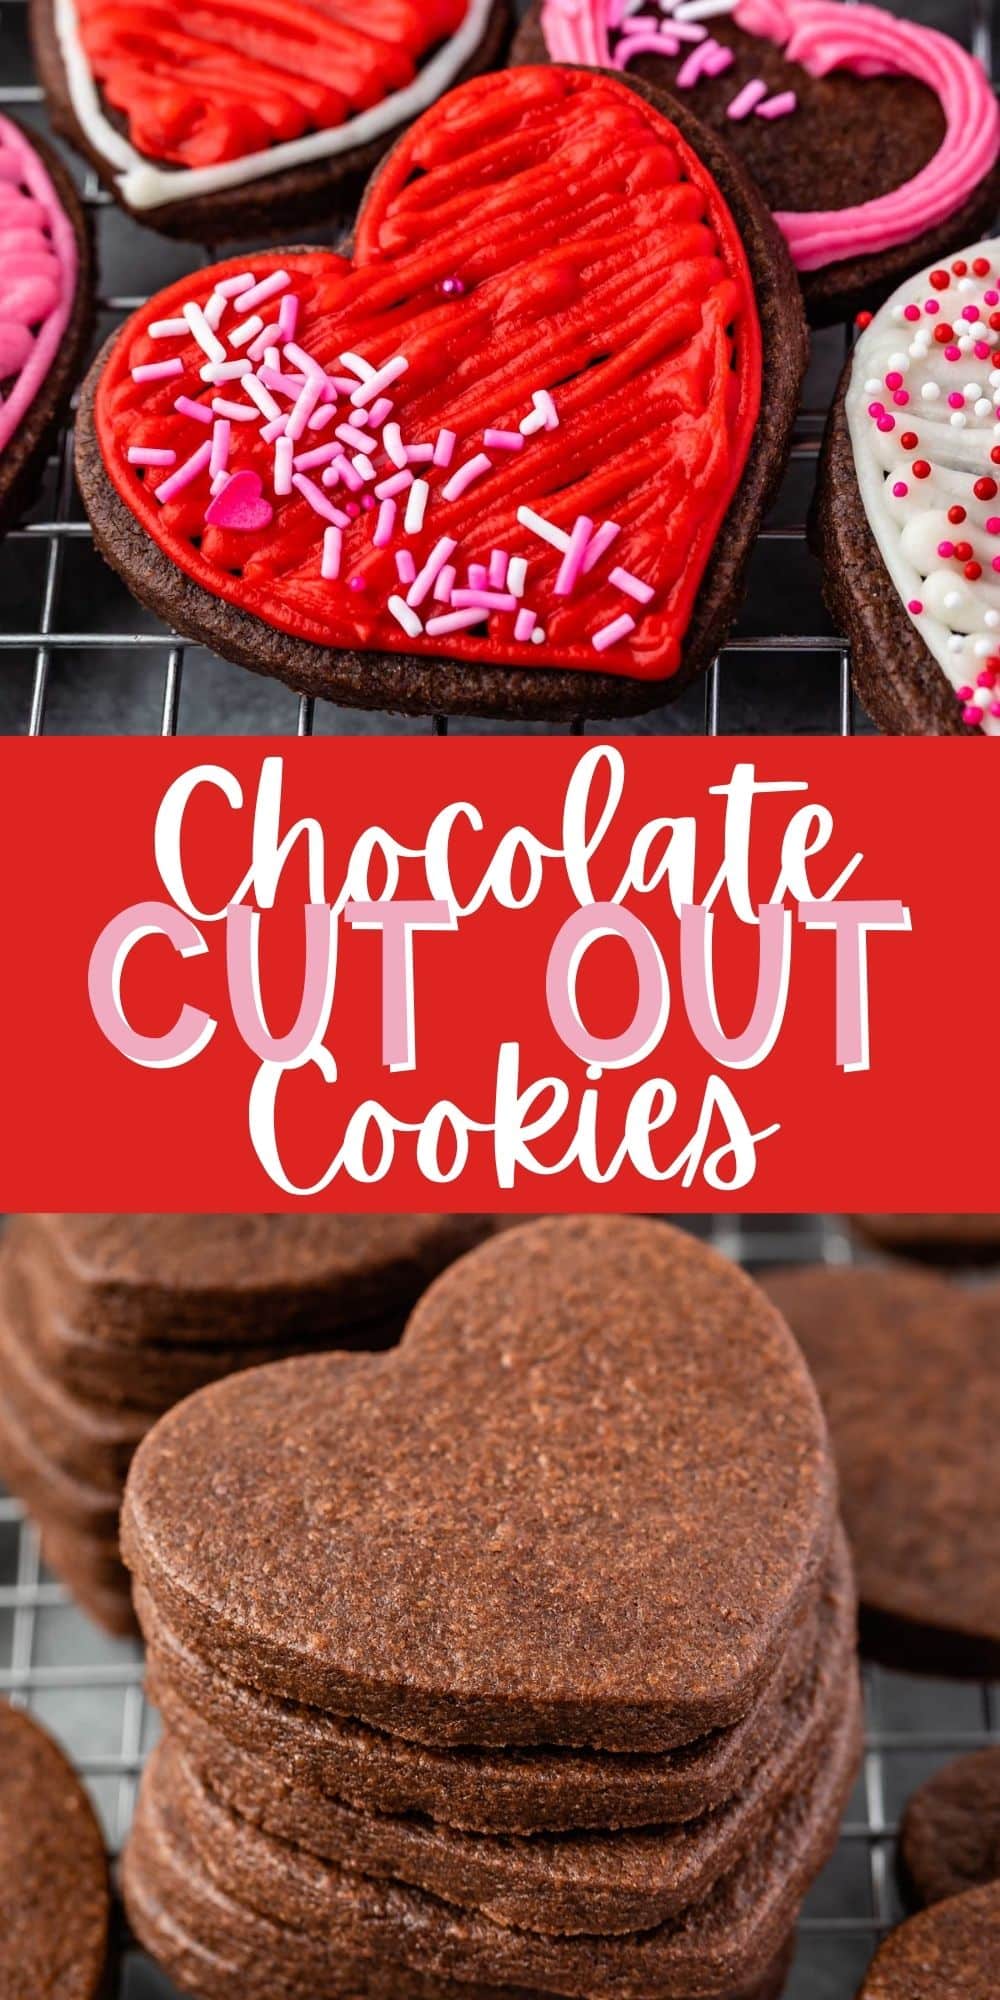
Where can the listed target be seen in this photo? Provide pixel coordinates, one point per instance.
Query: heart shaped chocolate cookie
(611, 1551)
(808, 93)
(44, 306)
(232, 119)
(516, 450)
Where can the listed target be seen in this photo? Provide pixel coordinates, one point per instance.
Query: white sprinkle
(382, 379)
(517, 575)
(230, 288)
(226, 371)
(214, 310)
(432, 568)
(220, 446)
(358, 366)
(405, 617)
(991, 619)
(208, 341)
(930, 392)
(416, 506)
(279, 281)
(333, 542)
(284, 451)
(248, 331)
(557, 538)
(392, 438)
(362, 463)
(474, 468)
(263, 398)
(168, 329)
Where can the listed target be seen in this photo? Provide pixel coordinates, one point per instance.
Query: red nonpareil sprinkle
(985, 489)
(973, 571)
(995, 321)
(943, 333)
(921, 469)
(909, 440)
(956, 516)
(863, 320)
(963, 551)
(940, 280)
(995, 454)
(981, 267)
(960, 267)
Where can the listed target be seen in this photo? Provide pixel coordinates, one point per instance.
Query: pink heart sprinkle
(240, 505)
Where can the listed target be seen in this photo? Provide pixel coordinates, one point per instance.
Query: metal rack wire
(88, 1690)
(79, 657)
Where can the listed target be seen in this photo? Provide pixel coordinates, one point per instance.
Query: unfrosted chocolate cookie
(503, 1791)
(210, 1943)
(907, 1370)
(54, 1890)
(951, 1828)
(934, 1239)
(255, 118)
(614, 1554)
(733, 1935)
(535, 394)
(948, 1953)
(807, 97)
(46, 309)
(606, 1883)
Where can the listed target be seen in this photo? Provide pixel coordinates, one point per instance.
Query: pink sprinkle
(981, 351)
(198, 462)
(524, 625)
(993, 525)
(283, 467)
(478, 576)
(893, 380)
(317, 500)
(400, 482)
(342, 468)
(279, 281)
(406, 568)
(377, 412)
(946, 549)
(972, 715)
(265, 339)
(385, 524)
(600, 543)
(300, 359)
(994, 708)
(358, 440)
(453, 621)
(887, 423)
(428, 576)
(780, 106)
(996, 564)
(199, 411)
(473, 469)
(701, 62)
(971, 313)
(992, 298)
(901, 398)
(275, 429)
(932, 306)
(609, 635)
(911, 313)
(445, 584)
(444, 450)
(230, 288)
(503, 440)
(987, 678)
(965, 693)
(953, 353)
(747, 99)
(956, 400)
(304, 407)
(307, 461)
(572, 562)
(633, 586)
(139, 454)
(490, 600)
(158, 371)
(220, 446)
(915, 607)
(321, 417)
(333, 543)
(876, 409)
(288, 316)
(497, 572)
(900, 489)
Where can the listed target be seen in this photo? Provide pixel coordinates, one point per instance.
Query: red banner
(551, 974)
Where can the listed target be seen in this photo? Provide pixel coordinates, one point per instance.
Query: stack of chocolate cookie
(519, 1658)
(106, 1321)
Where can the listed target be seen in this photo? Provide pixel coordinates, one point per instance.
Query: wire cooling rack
(88, 1690)
(79, 657)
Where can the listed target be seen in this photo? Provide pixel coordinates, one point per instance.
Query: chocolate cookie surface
(54, 1890)
(934, 1239)
(46, 313)
(907, 515)
(211, 168)
(950, 1839)
(947, 1953)
(505, 1791)
(614, 1556)
(804, 97)
(679, 502)
(906, 1369)
(733, 1936)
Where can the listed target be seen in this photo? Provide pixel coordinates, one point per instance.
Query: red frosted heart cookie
(514, 454)
(225, 119)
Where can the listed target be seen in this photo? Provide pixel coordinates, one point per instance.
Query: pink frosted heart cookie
(44, 306)
(874, 140)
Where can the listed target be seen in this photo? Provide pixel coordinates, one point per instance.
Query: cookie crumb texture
(54, 1892)
(948, 1953)
(482, 454)
(805, 94)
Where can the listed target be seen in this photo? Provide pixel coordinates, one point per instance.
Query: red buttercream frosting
(546, 272)
(201, 81)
